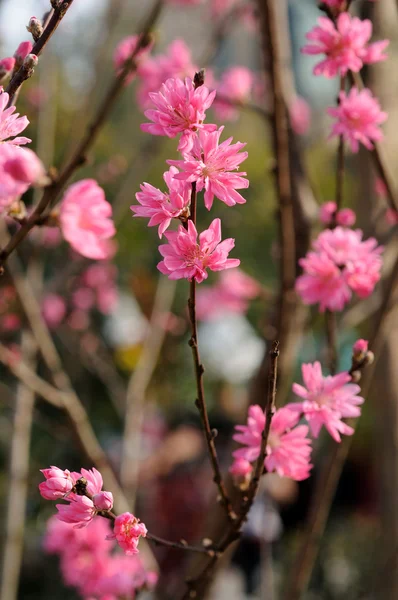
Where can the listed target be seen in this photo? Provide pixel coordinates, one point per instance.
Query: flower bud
(346, 217)
(360, 349)
(6, 67)
(57, 484)
(22, 52)
(241, 470)
(31, 61)
(35, 27)
(326, 212)
(103, 501)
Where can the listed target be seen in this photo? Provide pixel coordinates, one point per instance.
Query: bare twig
(18, 486)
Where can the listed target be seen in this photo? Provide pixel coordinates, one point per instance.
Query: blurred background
(128, 337)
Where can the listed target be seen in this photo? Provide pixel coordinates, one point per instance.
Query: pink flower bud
(380, 188)
(31, 61)
(24, 166)
(6, 67)
(57, 484)
(360, 348)
(241, 470)
(326, 212)
(103, 501)
(346, 217)
(22, 52)
(53, 309)
(35, 27)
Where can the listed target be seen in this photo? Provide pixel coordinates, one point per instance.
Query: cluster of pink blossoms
(85, 499)
(206, 164)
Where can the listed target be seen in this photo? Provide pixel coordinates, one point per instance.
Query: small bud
(31, 61)
(35, 27)
(6, 67)
(369, 358)
(199, 79)
(17, 210)
(214, 433)
(103, 501)
(23, 50)
(207, 542)
(346, 217)
(241, 471)
(356, 376)
(359, 350)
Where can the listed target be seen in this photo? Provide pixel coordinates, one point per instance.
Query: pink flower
(180, 108)
(339, 4)
(232, 293)
(23, 50)
(183, 257)
(85, 219)
(344, 44)
(175, 63)
(162, 207)
(212, 166)
(341, 263)
(53, 309)
(57, 484)
(19, 168)
(125, 50)
(94, 480)
(326, 212)
(358, 117)
(288, 448)
(83, 298)
(11, 124)
(346, 217)
(300, 115)
(360, 347)
(327, 400)
(380, 188)
(103, 501)
(127, 531)
(6, 67)
(79, 511)
(240, 467)
(235, 87)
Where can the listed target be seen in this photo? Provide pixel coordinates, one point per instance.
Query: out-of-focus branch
(138, 385)
(24, 72)
(17, 486)
(78, 158)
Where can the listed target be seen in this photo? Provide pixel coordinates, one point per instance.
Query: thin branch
(18, 484)
(78, 158)
(182, 545)
(24, 72)
(331, 334)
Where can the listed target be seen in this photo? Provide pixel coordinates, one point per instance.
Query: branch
(78, 158)
(24, 72)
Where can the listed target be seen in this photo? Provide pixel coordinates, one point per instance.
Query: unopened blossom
(6, 67)
(103, 501)
(125, 50)
(288, 449)
(214, 168)
(17, 165)
(179, 109)
(235, 87)
(58, 483)
(79, 511)
(360, 348)
(185, 258)
(346, 217)
(53, 309)
(300, 115)
(327, 212)
(176, 62)
(162, 207)
(86, 219)
(23, 50)
(339, 264)
(94, 480)
(358, 118)
(345, 45)
(127, 530)
(327, 400)
(11, 124)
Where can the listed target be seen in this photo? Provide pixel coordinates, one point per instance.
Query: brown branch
(182, 545)
(78, 158)
(24, 72)
(198, 585)
(331, 334)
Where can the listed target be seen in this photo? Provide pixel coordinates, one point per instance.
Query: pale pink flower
(162, 207)
(344, 44)
(155, 70)
(125, 50)
(53, 309)
(83, 298)
(180, 108)
(23, 50)
(85, 219)
(288, 447)
(339, 264)
(79, 511)
(358, 117)
(127, 530)
(16, 166)
(107, 299)
(327, 400)
(58, 483)
(300, 115)
(346, 217)
(184, 257)
(235, 86)
(212, 165)
(232, 293)
(326, 212)
(103, 501)
(11, 123)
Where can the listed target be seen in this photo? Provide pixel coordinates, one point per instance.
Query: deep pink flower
(103, 501)
(180, 108)
(346, 217)
(341, 263)
(125, 50)
(94, 480)
(358, 117)
(344, 44)
(155, 70)
(183, 257)
(53, 309)
(212, 165)
(300, 115)
(11, 123)
(57, 484)
(162, 207)
(235, 86)
(288, 448)
(79, 511)
(85, 219)
(127, 531)
(327, 400)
